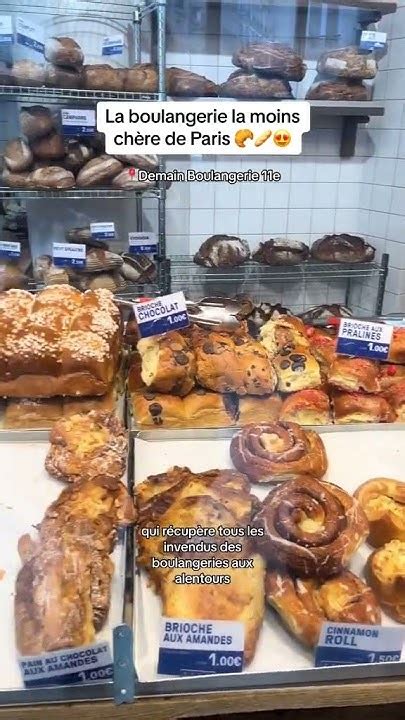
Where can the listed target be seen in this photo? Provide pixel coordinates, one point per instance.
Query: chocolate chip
(239, 341)
(253, 367)
(297, 367)
(288, 384)
(297, 358)
(208, 348)
(155, 409)
(284, 351)
(181, 358)
(149, 396)
(285, 364)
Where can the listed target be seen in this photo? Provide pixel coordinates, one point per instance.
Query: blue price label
(373, 40)
(10, 249)
(92, 663)
(102, 230)
(69, 255)
(78, 122)
(162, 315)
(30, 35)
(347, 644)
(359, 338)
(202, 647)
(113, 45)
(6, 30)
(142, 243)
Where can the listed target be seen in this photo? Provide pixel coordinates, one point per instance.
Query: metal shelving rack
(184, 272)
(133, 13)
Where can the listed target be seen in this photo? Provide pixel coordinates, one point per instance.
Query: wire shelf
(118, 10)
(78, 193)
(185, 272)
(57, 95)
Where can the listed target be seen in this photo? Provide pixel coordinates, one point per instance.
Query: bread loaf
(11, 276)
(271, 58)
(242, 84)
(338, 90)
(63, 77)
(36, 122)
(99, 171)
(142, 78)
(50, 147)
(102, 77)
(142, 162)
(343, 248)
(222, 251)
(17, 156)
(138, 268)
(281, 252)
(348, 62)
(28, 73)
(6, 75)
(63, 51)
(17, 180)
(83, 235)
(183, 83)
(52, 178)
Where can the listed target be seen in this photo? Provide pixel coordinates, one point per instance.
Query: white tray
(26, 491)
(354, 457)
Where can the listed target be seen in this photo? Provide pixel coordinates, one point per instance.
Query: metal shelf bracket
(350, 124)
(124, 670)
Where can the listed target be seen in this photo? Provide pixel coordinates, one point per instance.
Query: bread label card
(69, 254)
(113, 45)
(200, 647)
(78, 122)
(10, 249)
(142, 243)
(92, 663)
(161, 315)
(346, 644)
(30, 34)
(363, 339)
(6, 30)
(102, 230)
(373, 40)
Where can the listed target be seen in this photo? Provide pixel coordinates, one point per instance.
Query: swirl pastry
(304, 605)
(312, 528)
(383, 501)
(270, 452)
(386, 572)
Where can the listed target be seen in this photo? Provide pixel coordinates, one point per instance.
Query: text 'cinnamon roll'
(312, 528)
(270, 452)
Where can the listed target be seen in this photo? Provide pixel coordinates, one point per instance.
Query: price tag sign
(113, 45)
(69, 255)
(6, 30)
(161, 315)
(142, 243)
(200, 647)
(78, 122)
(102, 230)
(68, 667)
(10, 249)
(346, 644)
(30, 34)
(360, 338)
(372, 40)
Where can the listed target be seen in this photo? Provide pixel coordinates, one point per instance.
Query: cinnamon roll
(270, 452)
(383, 501)
(304, 605)
(311, 528)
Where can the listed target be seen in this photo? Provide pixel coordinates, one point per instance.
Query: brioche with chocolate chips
(200, 408)
(296, 369)
(168, 363)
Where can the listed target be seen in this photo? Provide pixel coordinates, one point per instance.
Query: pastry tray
(26, 491)
(356, 453)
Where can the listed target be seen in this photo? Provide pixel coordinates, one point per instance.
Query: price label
(91, 663)
(161, 315)
(30, 34)
(102, 230)
(200, 647)
(346, 644)
(364, 339)
(10, 249)
(69, 255)
(113, 45)
(78, 122)
(373, 40)
(142, 243)
(6, 30)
